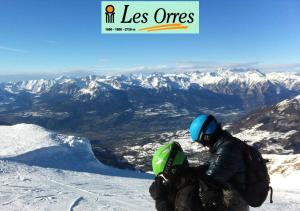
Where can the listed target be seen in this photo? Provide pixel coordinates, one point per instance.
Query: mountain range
(119, 113)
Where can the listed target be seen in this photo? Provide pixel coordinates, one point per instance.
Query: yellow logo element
(173, 26)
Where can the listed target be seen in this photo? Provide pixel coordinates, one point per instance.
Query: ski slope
(42, 170)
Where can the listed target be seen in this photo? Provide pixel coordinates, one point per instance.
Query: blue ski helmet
(203, 125)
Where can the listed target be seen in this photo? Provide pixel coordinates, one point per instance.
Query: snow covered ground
(42, 170)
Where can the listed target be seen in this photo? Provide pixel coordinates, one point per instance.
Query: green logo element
(148, 17)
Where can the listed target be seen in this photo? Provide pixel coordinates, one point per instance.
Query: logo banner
(148, 17)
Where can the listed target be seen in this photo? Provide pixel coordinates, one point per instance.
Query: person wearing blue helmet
(205, 129)
(225, 167)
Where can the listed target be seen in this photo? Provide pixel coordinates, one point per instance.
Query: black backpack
(257, 177)
(187, 199)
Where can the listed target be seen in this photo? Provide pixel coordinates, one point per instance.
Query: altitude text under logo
(150, 17)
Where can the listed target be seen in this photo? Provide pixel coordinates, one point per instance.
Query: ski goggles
(204, 127)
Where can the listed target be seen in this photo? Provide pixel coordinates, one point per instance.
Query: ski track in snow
(75, 203)
(97, 195)
(49, 190)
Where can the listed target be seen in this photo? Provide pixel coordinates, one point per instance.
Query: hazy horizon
(14, 77)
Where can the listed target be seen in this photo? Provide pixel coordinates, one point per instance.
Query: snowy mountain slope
(275, 128)
(45, 184)
(34, 188)
(41, 170)
(33, 145)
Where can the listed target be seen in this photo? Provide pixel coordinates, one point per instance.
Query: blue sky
(45, 36)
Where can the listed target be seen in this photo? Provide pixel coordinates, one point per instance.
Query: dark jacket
(226, 165)
(180, 193)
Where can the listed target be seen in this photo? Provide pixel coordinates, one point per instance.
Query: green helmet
(166, 157)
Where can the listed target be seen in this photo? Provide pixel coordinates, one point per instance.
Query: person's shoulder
(230, 139)
(231, 143)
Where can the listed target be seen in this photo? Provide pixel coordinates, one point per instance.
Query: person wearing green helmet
(167, 159)
(176, 185)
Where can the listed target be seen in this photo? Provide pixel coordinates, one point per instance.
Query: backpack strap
(271, 194)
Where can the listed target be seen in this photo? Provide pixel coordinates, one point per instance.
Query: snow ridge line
(75, 203)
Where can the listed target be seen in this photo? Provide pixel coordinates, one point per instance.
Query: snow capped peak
(288, 101)
(295, 101)
(297, 98)
(62, 77)
(224, 76)
(244, 70)
(244, 74)
(36, 86)
(289, 79)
